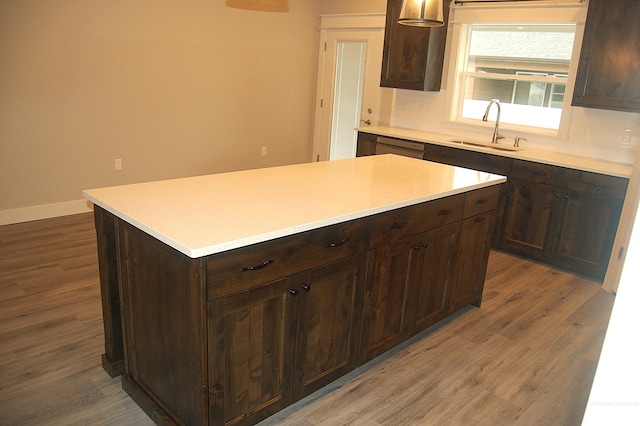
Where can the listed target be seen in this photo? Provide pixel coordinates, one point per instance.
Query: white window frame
(462, 16)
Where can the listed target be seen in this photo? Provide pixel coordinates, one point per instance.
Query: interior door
(348, 89)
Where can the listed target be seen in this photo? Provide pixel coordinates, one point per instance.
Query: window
(523, 53)
(525, 66)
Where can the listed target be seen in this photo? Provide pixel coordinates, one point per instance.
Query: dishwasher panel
(400, 147)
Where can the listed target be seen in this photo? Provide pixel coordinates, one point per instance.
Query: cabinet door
(610, 57)
(433, 271)
(586, 233)
(251, 348)
(386, 296)
(478, 161)
(471, 261)
(412, 57)
(328, 326)
(530, 219)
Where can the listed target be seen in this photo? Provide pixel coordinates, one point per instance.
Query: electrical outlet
(118, 164)
(579, 129)
(626, 137)
(264, 151)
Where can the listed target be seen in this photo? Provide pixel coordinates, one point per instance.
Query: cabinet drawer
(599, 184)
(469, 159)
(481, 200)
(247, 267)
(544, 173)
(575, 180)
(408, 221)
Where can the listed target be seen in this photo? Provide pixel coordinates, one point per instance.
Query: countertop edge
(537, 155)
(200, 252)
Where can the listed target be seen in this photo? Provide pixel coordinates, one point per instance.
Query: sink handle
(516, 143)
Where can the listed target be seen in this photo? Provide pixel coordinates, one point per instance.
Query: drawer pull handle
(397, 225)
(306, 287)
(479, 220)
(257, 267)
(536, 173)
(338, 244)
(293, 292)
(482, 201)
(416, 247)
(425, 245)
(444, 212)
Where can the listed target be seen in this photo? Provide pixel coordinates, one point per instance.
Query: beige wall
(172, 88)
(353, 6)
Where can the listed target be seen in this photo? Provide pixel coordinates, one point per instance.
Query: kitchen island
(227, 297)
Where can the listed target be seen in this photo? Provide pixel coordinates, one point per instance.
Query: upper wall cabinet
(609, 69)
(413, 57)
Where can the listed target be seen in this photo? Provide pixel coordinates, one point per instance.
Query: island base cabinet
(387, 294)
(437, 262)
(213, 341)
(406, 288)
(164, 327)
(471, 261)
(329, 323)
(251, 345)
(274, 344)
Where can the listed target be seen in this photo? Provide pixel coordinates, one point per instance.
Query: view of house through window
(524, 66)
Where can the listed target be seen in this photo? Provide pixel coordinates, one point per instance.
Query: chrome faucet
(496, 135)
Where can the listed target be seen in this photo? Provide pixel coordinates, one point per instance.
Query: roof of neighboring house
(522, 44)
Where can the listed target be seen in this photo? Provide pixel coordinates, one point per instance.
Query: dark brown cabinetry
(562, 216)
(283, 340)
(609, 64)
(234, 337)
(366, 144)
(475, 237)
(403, 245)
(412, 279)
(413, 57)
(530, 223)
(407, 291)
(252, 337)
(477, 161)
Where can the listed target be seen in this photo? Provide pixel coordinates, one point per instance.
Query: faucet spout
(496, 130)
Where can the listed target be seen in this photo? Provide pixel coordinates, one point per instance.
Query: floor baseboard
(45, 211)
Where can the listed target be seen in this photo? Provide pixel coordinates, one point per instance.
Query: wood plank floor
(527, 357)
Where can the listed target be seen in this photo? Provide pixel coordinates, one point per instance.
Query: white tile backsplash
(592, 132)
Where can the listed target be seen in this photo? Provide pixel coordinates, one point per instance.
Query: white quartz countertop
(204, 215)
(529, 154)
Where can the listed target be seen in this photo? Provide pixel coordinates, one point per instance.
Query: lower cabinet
(563, 217)
(414, 282)
(488, 163)
(278, 342)
(232, 338)
(531, 219)
(406, 289)
(586, 252)
(471, 261)
(567, 218)
(251, 345)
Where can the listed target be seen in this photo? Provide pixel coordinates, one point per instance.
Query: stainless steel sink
(498, 146)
